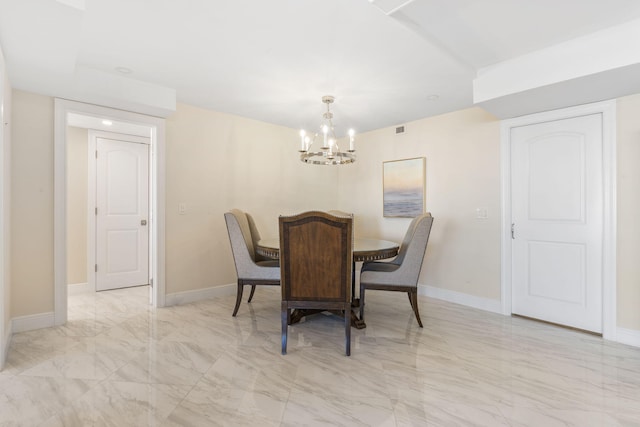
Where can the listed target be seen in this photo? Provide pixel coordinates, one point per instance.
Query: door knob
(143, 222)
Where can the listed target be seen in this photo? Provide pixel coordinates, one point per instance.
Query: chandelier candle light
(330, 153)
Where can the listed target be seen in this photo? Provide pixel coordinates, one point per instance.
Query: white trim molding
(628, 336)
(186, 297)
(157, 220)
(80, 288)
(4, 353)
(32, 322)
(455, 297)
(5, 210)
(608, 111)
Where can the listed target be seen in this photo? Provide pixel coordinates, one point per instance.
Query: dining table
(364, 249)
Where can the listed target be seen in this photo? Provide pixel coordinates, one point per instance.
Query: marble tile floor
(118, 362)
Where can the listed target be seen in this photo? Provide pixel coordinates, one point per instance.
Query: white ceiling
(383, 60)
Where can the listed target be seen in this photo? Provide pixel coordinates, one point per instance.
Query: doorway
(554, 233)
(69, 110)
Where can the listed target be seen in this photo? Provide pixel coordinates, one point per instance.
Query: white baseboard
(187, 297)
(32, 322)
(623, 336)
(494, 306)
(46, 320)
(628, 336)
(79, 288)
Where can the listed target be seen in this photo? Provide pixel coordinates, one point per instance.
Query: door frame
(63, 108)
(608, 111)
(5, 214)
(92, 242)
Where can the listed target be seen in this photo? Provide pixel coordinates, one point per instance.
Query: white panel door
(122, 198)
(557, 214)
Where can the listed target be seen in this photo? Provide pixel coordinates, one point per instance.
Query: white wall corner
(32, 322)
(389, 7)
(486, 304)
(180, 298)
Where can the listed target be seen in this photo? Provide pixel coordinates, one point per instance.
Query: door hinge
(151, 282)
(96, 268)
(513, 230)
(96, 154)
(96, 211)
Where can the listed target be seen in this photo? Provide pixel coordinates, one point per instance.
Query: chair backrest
(255, 238)
(241, 241)
(316, 257)
(414, 246)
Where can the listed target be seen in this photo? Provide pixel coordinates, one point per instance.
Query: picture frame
(403, 187)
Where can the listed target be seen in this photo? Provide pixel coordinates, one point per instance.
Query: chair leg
(238, 298)
(284, 316)
(413, 298)
(361, 303)
(253, 290)
(347, 328)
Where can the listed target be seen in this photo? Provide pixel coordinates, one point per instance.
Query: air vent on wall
(399, 130)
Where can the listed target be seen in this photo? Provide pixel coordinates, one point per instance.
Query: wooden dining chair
(250, 268)
(401, 274)
(316, 252)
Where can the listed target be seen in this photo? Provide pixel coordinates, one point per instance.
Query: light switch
(482, 213)
(182, 208)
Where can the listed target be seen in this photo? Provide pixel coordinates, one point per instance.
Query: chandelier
(330, 153)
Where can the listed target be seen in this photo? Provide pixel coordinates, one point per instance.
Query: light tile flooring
(118, 362)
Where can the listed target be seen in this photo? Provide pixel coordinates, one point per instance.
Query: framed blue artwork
(403, 183)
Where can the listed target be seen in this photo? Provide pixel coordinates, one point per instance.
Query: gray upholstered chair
(250, 267)
(316, 254)
(400, 274)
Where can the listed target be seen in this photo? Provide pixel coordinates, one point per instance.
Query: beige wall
(462, 151)
(32, 204)
(216, 162)
(628, 199)
(77, 140)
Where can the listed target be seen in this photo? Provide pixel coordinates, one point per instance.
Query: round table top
(363, 249)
